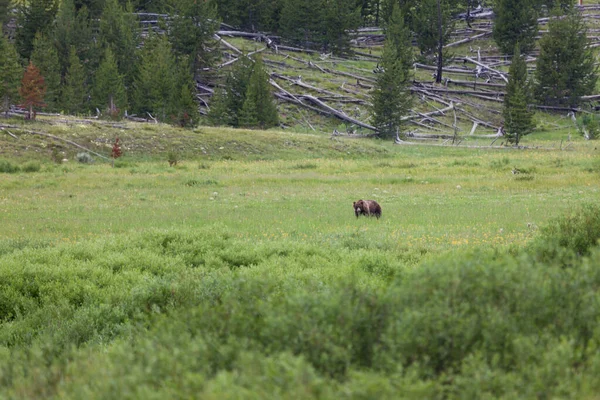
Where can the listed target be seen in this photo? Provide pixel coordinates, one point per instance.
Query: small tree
(518, 119)
(33, 90)
(516, 22)
(10, 73)
(45, 57)
(259, 108)
(391, 96)
(108, 92)
(565, 67)
(74, 93)
(227, 103)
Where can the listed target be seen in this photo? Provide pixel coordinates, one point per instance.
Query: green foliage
(5, 7)
(191, 30)
(119, 32)
(574, 234)
(32, 17)
(31, 166)
(259, 109)
(253, 15)
(74, 96)
(341, 18)
(589, 126)
(515, 22)
(391, 96)
(201, 313)
(73, 28)
(320, 24)
(426, 25)
(10, 73)
(565, 68)
(518, 120)
(227, 104)
(45, 57)
(108, 92)
(8, 167)
(155, 82)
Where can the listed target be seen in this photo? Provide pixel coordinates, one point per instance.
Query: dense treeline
(94, 58)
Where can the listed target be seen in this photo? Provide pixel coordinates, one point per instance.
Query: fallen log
(340, 114)
(55, 138)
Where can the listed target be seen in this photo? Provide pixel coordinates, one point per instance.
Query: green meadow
(242, 272)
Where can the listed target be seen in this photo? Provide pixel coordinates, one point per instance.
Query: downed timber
(475, 83)
(340, 114)
(469, 39)
(502, 74)
(227, 44)
(445, 70)
(53, 137)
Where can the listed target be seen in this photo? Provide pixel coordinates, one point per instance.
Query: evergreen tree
(119, 32)
(302, 22)
(259, 110)
(227, 103)
(155, 84)
(516, 22)
(33, 17)
(341, 17)
(184, 102)
(32, 90)
(425, 20)
(45, 57)
(391, 97)
(191, 31)
(10, 73)
(406, 7)
(565, 67)
(108, 92)
(73, 29)
(252, 15)
(518, 119)
(399, 34)
(74, 94)
(4, 11)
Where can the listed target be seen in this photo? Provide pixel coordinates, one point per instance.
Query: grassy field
(243, 273)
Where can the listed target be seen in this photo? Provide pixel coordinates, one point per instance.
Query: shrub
(570, 235)
(31, 166)
(8, 167)
(84, 158)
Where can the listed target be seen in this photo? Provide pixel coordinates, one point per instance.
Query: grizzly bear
(369, 208)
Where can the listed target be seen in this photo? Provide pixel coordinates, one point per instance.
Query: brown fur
(370, 208)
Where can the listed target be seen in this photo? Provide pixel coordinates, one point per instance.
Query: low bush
(31, 166)
(8, 168)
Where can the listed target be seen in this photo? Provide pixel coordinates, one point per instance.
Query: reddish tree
(116, 150)
(33, 89)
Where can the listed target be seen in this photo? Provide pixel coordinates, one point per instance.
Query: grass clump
(8, 167)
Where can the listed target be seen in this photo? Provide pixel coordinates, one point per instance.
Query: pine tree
(516, 22)
(45, 57)
(341, 17)
(32, 90)
(391, 95)
(302, 22)
(73, 29)
(227, 103)
(10, 73)
(108, 92)
(4, 11)
(518, 119)
(33, 17)
(397, 31)
(119, 32)
(427, 21)
(74, 94)
(184, 103)
(259, 110)
(565, 68)
(191, 30)
(155, 83)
